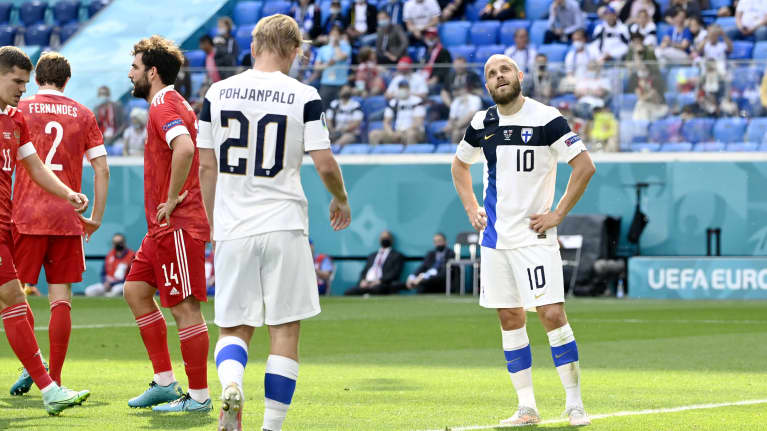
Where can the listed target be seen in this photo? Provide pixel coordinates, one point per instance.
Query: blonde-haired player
(521, 141)
(254, 130)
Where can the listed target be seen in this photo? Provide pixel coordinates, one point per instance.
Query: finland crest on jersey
(260, 125)
(521, 153)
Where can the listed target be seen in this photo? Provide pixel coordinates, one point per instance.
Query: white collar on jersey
(161, 92)
(7, 110)
(50, 92)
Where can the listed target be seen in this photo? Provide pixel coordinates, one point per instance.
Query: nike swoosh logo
(561, 354)
(514, 360)
(489, 136)
(538, 296)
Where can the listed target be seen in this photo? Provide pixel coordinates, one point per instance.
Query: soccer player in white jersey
(521, 140)
(254, 130)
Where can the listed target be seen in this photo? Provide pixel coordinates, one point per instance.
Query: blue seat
(569, 98)
(274, 7)
(726, 22)
(95, 6)
(335, 148)
(373, 105)
(697, 130)
(375, 125)
(247, 12)
(387, 149)
(484, 33)
(709, 147)
(716, 4)
(66, 11)
(508, 28)
(473, 10)
(645, 147)
(5, 12)
(432, 129)
(446, 148)
(555, 52)
(355, 149)
(661, 30)
(39, 34)
(664, 4)
(7, 35)
(196, 58)
(680, 75)
(115, 149)
(626, 101)
(756, 130)
(243, 35)
(419, 149)
(684, 99)
(538, 32)
(676, 147)
(743, 146)
(32, 12)
(661, 130)
(485, 52)
(730, 129)
(741, 49)
(465, 51)
(135, 103)
(454, 33)
(763, 146)
(537, 9)
(633, 131)
(760, 50)
(198, 79)
(68, 31)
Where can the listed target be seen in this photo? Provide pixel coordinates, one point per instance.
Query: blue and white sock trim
(231, 349)
(280, 379)
(563, 347)
(516, 349)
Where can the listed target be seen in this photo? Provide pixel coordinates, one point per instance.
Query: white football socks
(565, 355)
(516, 347)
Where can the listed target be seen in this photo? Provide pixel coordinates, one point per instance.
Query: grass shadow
(167, 421)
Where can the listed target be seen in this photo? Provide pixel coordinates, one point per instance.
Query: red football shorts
(7, 268)
(174, 264)
(62, 257)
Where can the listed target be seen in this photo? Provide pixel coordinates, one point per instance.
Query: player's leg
(59, 327)
(231, 359)
(281, 373)
(195, 344)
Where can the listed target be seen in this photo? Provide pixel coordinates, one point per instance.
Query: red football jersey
(171, 116)
(63, 132)
(14, 145)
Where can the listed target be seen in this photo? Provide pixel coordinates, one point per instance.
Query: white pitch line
(619, 414)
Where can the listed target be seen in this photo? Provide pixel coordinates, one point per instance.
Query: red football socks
(155, 336)
(194, 349)
(59, 329)
(23, 342)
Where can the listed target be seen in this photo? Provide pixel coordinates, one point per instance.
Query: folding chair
(470, 240)
(570, 249)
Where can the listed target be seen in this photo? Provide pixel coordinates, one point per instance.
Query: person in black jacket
(226, 48)
(430, 276)
(362, 23)
(382, 270)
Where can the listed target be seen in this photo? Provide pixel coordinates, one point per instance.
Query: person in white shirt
(522, 52)
(344, 117)
(416, 81)
(420, 15)
(750, 19)
(592, 91)
(716, 47)
(403, 119)
(578, 58)
(645, 27)
(134, 137)
(611, 37)
(462, 110)
(520, 141)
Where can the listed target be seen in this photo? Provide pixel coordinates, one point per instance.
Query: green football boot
(156, 394)
(59, 399)
(184, 404)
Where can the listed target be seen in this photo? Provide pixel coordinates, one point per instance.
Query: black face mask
(386, 243)
(119, 246)
(440, 248)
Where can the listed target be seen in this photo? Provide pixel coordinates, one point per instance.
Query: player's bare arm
(462, 182)
(100, 190)
(183, 155)
(583, 170)
(49, 182)
(208, 179)
(327, 168)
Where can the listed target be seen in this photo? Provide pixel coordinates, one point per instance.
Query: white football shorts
(265, 279)
(521, 277)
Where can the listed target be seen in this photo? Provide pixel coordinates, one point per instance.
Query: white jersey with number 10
(260, 124)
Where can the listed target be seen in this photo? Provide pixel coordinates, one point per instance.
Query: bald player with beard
(521, 140)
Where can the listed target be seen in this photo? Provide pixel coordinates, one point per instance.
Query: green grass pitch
(432, 363)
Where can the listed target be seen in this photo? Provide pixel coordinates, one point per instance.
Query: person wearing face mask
(576, 61)
(430, 276)
(344, 117)
(362, 23)
(109, 116)
(416, 81)
(462, 110)
(403, 119)
(382, 269)
(308, 16)
(436, 61)
(134, 137)
(592, 92)
(333, 60)
(391, 40)
(544, 82)
(336, 17)
(227, 50)
(420, 15)
(115, 269)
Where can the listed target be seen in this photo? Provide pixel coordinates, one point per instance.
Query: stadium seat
(756, 130)
(95, 6)
(432, 129)
(7, 35)
(115, 149)
(633, 131)
(661, 30)
(726, 22)
(741, 49)
(387, 149)
(465, 51)
(485, 52)
(335, 148)
(419, 149)
(196, 58)
(68, 31)
(508, 28)
(473, 10)
(709, 147)
(243, 35)
(569, 98)
(484, 33)
(198, 79)
(730, 129)
(32, 12)
(375, 125)
(626, 102)
(374, 106)
(684, 99)
(680, 77)
(446, 148)
(454, 33)
(676, 147)
(645, 147)
(537, 9)
(39, 34)
(743, 147)
(5, 12)
(355, 149)
(538, 31)
(555, 52)
(274, 7)
(66, 11)
(698, 130)
(760, 50)
(716, 4)
(664, 129)
(247, 12)
(664, 4)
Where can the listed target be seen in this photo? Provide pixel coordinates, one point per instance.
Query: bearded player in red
(16, 145)
(46, 231)
(172, 256)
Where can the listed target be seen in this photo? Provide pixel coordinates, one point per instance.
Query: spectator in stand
(699, 36)
(641, 58)
(522, 53)
(134, 137)
(454, 9)
(645, 28)
(462, 109)
(109, 116)
(183, 82)
(391, 40)
(763, 96)
(629, 13)
(226, 48)
(691, 9)
(420, 15)
(502, 10)
(430, 276)
(393, 9)
(592, 92)
(603, 135)
(576, 62)
(728, 10)
(676, 43)
(308, 16)
(344, 118)
(362, 23)
(544, 82)
(437, 61)
(651, 102)
(368, 78)
(333, 60)
(382, 270)
(750, 20)
(336, 17)
(323, 268)
(403, 119)
(461, 77)
(712, 96)
(206, 45)
(115, 269)
(611, 37)
(565, 16)
(417, 83)
(716, 46)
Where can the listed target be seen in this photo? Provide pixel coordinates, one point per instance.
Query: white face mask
(578, 44)
(402, 94)
(335, 10)
(222, 30)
